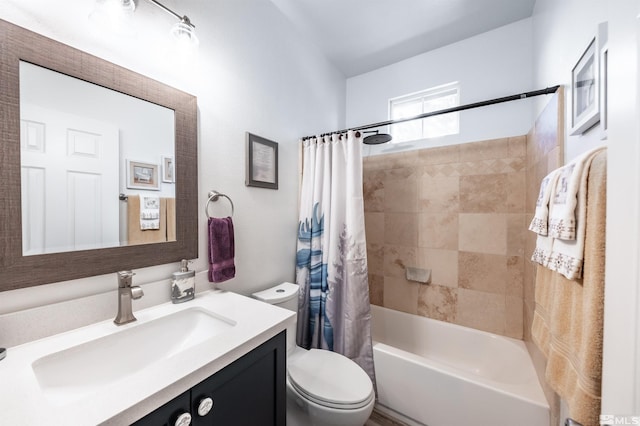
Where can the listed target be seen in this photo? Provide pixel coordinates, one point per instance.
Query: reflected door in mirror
(69, 178)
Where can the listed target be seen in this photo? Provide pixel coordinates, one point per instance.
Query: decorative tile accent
(483, 194)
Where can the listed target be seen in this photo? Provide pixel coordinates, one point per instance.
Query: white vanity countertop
(23, 401)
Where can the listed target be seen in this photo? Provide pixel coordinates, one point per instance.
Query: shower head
(377, 138)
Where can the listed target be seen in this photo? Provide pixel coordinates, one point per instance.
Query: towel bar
(213, 196)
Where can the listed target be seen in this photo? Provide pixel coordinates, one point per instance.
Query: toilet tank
(284, 295)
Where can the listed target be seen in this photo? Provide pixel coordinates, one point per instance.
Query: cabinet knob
(205, 406)
(183, 419)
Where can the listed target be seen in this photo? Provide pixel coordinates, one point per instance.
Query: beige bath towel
(137, 236)
(568, 317)
(171, 219)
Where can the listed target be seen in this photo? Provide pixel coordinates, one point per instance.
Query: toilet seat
(330, 379)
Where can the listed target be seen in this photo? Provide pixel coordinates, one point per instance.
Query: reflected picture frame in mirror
(17, 270)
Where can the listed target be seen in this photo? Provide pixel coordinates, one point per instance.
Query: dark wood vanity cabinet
(251, 391)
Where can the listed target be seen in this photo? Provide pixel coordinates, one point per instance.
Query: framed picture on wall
(142, 175)
(585, 90)
(603, 59)
(262, 162)
(168, 170)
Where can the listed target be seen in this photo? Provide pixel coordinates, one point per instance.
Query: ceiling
(362, 35)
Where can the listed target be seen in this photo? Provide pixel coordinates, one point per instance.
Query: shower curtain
(331, 263)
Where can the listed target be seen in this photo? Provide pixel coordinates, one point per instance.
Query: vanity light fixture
(113, 12)
(183, 31)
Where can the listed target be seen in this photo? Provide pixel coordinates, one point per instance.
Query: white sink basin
(74, 372)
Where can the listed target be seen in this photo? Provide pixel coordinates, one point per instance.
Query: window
(433, 99)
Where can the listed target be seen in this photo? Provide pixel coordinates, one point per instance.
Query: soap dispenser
(183, 283)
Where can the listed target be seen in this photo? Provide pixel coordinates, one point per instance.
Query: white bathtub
(442, 374)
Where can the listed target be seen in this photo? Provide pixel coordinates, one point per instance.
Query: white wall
(562, 30)
(253, 73)
(490, 65)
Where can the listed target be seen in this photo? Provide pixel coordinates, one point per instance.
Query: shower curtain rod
(547, 91)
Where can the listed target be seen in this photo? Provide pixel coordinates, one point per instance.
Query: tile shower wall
(460, 212)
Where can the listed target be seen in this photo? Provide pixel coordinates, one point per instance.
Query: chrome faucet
(126, 293)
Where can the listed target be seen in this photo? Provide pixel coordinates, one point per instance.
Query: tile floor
(381, 419)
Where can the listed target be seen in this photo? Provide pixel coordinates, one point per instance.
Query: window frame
(424, 96)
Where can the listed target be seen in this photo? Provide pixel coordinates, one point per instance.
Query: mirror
(81, 146)
(23, 49)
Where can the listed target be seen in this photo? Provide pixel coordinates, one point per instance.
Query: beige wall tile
(376, 289)
(374, 227)
(517, 146)
(514, 317)
(516, 192)
(515, 276)
(422, 207)
(483, 233)
(400, 160)
(483, 193)
(516, 231)
(438, 231)
(401, 295)
(401, 195)
(480, 310)
(484, 272)
(437, 302)
(401, 229)
(400, 173)
(494, 148)
(438, 194)
(373, 190)
(440, 155)
(374, 162)
(375, 258)
(397, 258)
(443, 265)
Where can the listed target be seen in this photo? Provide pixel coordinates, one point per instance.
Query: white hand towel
(562, 214)
(149, 212)
(539, 223)
(567, 256)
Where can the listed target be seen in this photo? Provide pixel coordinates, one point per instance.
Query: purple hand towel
(221, 250)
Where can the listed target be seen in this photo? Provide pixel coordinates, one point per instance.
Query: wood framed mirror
(18, 45)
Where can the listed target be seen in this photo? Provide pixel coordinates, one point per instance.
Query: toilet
(324, 388)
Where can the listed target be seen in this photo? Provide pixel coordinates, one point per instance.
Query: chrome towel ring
(213, 196)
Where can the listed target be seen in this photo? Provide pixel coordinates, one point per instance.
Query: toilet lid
(330, 379)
